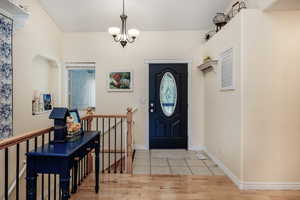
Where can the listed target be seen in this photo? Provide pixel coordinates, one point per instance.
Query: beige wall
(109, 56)
(40, 36)
(223, 108)
(272, 97)
(254, 130)
(47, 80)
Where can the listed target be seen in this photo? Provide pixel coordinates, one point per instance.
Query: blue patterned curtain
(6, 77)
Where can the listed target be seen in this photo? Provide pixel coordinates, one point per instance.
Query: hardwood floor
(173, 187)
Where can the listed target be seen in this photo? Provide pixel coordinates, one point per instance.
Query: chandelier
(122, 35)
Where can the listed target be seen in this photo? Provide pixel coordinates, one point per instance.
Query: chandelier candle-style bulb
(134, 33)
(121, 35)
(114, 31)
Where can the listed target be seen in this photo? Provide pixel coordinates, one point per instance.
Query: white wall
(110, 56)
(40, 36)
(223, 116)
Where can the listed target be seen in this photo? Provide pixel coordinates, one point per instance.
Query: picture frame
(75, 115)
(47, 99)
(226, 70)
(120, 81)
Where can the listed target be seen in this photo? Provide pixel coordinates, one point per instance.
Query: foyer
(169, 187)
(149, 99)
(174, 162)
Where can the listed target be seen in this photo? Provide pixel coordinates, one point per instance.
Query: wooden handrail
(107, 116)
(126, 151)
(102, 116)
(32, 134)
(21, 138)
(129, 137)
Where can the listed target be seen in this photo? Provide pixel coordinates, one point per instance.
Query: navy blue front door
(168, 105)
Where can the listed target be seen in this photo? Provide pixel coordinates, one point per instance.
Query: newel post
(90, 157)
(129, 140)
(89, 123)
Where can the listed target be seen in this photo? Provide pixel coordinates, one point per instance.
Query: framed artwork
(75, 115)
(226, 72)
(6, 77)
(120, 81)
(47, 102)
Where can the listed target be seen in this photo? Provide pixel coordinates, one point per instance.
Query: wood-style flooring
(173, 187)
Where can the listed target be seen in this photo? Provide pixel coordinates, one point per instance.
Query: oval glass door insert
(168, 94)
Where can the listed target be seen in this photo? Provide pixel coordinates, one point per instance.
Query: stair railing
(116, 143)
(116, 149)
(12, 151)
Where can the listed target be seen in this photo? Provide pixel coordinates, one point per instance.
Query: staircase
(116, 155)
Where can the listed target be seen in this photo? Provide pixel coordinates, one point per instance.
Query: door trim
(189, 63)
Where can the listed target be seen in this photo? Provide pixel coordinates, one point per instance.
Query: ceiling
(146, 15)
(284, 5)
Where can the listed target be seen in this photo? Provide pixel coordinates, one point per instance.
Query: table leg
(75, 177)
(64, 184)
(31, 187)
(97, 152)
(31, 178)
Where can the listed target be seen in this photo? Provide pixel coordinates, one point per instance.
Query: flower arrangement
(207, 59)
(90, 111)
(73, 127)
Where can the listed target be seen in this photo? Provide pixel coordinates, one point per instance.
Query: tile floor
(174, 162)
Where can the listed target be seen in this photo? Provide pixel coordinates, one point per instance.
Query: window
(227, 73)
(168, 94)
(81, 88)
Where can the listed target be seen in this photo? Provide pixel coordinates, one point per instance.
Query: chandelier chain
(123, 7)
(121, 35)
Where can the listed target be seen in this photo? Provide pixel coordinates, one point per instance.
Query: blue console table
(60, 158)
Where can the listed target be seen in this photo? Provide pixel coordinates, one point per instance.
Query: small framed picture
(47, 102)
(120, 81)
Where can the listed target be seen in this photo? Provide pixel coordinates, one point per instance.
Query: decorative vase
(220, 20)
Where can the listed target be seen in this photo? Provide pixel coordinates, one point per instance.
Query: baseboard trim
(247, 185)
(227, 171)
(140, 147)
(271, 186)
(196, 148)
(191, 148)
